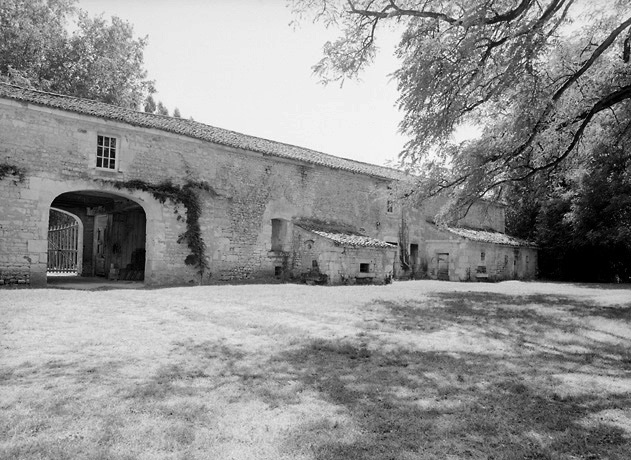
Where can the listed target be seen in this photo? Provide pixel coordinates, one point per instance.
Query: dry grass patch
(413, 370)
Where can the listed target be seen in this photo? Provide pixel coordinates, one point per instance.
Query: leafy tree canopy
(545, 79)
(99, 59)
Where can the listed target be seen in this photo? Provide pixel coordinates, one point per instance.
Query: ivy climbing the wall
(186, 195)
(18, 174)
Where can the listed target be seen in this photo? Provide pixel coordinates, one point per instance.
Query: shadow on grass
(513, 320)
(214, 364)
(435, 405)
(426, 404)
(400, 404)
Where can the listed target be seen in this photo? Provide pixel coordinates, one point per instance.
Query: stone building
(94, 189)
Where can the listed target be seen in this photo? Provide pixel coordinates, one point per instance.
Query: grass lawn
(413, 370)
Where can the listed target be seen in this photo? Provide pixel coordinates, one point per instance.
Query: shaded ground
(92, 283)
(413, 370)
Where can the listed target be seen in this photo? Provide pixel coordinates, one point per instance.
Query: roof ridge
(211, 133)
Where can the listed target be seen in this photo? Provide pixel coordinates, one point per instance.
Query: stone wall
(311, 253)
(484, 215)
(57, 149)
(500, 262)
(23, 252)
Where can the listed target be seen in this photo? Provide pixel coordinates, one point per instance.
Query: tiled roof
(353, 240)
(489, 237)
(194, 130)
(339, 233)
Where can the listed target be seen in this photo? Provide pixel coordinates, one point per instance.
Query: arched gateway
(107, 238)
(114, 233)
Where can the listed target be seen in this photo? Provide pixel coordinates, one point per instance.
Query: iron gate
(63, 248)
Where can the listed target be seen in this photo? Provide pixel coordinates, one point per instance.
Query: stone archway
(114, 233)
(76, 196)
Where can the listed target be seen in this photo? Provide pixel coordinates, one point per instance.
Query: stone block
(38, 246)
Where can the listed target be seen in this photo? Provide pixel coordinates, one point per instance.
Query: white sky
(239, 65)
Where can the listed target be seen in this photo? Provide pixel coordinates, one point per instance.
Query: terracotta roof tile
(340, 233)
(354, 240)
(488, 236)
(194, 130)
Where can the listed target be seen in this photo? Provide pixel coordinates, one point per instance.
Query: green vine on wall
(19, 174)
(186, 195)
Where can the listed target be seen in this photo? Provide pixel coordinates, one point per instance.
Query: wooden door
(443, 266)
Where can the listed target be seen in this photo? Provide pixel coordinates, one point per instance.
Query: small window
(364, 268)
(278, 271)
(389, 206)
(106, 152)
(314, 263)
(482, 256)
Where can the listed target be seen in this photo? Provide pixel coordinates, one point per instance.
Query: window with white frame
(106, 149)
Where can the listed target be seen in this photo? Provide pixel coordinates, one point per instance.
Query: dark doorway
(114, 233)
(443, 266)
(414, 258)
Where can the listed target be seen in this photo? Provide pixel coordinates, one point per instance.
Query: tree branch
(510, 15)
(608, 101)
(392, 10)
(595, 55)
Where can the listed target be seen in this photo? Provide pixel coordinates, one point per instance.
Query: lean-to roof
(353, 240)
(485, 236)
(341, 234)
(193, 129)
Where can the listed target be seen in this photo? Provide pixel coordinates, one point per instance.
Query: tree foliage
(540, 77)
(150, 104)
(100, 59)
(161, 109)
(549, 84)
(583, 223)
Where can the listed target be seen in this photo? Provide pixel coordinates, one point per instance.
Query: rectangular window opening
(389, 206)
(106, 152)
(279, 233)
(482, 256)
(314, 263)
(364, 268)
(278, 271)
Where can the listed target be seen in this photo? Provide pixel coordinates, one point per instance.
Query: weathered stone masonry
(253, 181)
(56, 148)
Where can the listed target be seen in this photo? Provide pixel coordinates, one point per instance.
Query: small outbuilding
(480, 255)
(335, 253)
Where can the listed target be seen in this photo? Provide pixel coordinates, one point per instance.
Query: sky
(241, 65)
